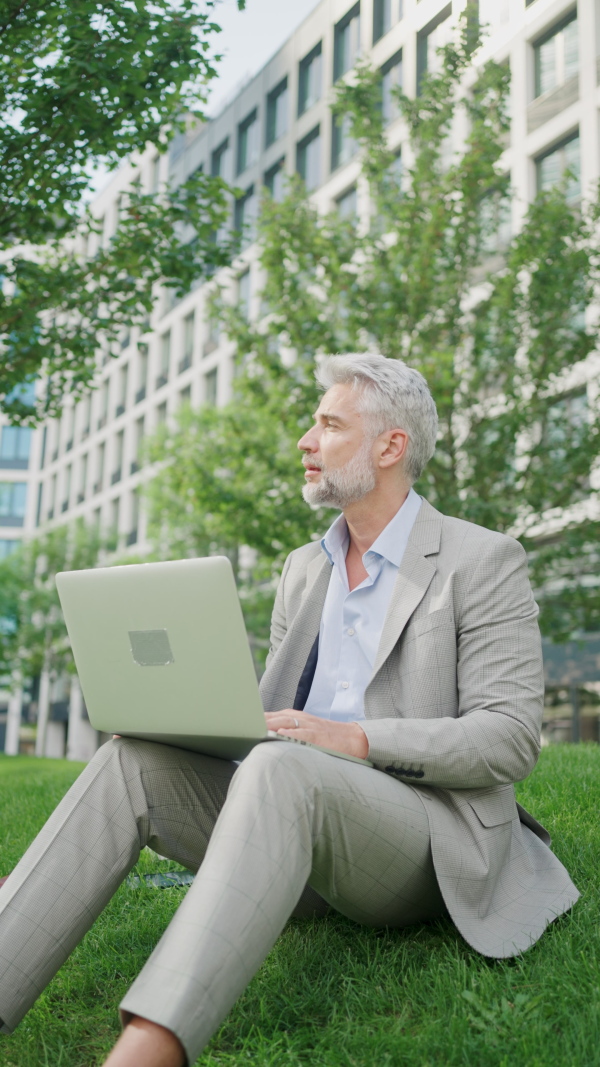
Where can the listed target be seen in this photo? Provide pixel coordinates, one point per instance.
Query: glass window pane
(309, 87)
(309, 160)
(571, 49)
(391, 78)
(275, 181)
(546, 66)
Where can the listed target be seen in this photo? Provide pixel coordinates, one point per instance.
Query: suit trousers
(288, 817)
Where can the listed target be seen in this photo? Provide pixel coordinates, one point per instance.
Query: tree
(497, 332)
(33, 635)
(84, 82)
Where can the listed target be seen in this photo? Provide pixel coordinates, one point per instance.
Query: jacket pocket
(492, 809)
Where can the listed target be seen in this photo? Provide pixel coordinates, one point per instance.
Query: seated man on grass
(403, 636)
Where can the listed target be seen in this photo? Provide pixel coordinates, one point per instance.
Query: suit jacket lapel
(414, 576)
(280, 682)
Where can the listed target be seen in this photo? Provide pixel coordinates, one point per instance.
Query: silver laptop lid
(161, 650)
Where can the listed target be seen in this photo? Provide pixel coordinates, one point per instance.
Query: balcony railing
(552, 103)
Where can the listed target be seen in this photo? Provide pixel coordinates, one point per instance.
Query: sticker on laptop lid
(151, 648)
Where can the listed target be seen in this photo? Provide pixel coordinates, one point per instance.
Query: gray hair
(393, 395)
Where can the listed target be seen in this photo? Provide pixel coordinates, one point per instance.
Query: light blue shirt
(352, 622)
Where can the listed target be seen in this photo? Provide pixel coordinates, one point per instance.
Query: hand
(348, 737)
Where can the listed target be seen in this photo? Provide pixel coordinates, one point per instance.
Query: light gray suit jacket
(453, 708)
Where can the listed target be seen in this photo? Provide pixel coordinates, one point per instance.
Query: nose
(308, 443)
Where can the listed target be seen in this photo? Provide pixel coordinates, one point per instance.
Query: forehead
(340, 402)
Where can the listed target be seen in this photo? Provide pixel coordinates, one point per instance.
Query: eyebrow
(328, 416)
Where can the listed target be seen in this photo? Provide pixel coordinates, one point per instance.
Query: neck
(367, 518)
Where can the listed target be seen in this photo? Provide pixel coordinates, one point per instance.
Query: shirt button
(351, 632)
(345, 685)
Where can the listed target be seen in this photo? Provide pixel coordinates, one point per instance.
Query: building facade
(88, 464)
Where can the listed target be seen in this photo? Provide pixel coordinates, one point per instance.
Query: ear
(392, 447)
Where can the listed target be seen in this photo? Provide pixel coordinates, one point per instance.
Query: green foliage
(495, 330)
(59, 309)
(33, 634)
(332, 993)
(84, 82)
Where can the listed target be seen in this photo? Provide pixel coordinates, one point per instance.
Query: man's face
(338, 452)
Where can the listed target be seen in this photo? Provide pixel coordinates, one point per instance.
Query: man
(405, 636)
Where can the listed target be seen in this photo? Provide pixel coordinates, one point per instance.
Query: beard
(345, 485)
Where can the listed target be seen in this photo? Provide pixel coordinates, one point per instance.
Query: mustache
(312, 463)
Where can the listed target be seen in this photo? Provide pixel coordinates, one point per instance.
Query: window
(185, 396)
(138, 444)
(142, 369)
(118, 458)
(7, 547)
(210, 387)
(275, 181)
(83, 475)
(391, 79)
(346, 45)
(67, 487)
(15, 444)
(308, 159)
(24, 393)
(99, 467)
(245, 213)
(104, 392)
(343, 145)
(70, 427)
(385, 13)
(115, 509)
(154, 175)
(277, 112)
(122, 398)
(309, 80)
(248, 147)
(165, 359)
(43, 448)
(134, 511)
(347, 204)
(433, 37)
(161, 413)
(188, 342)
(219, 167)
(556, 57)
(213, 336)
(52, 498)
(13, 501)
(86, 416)
(552, 167)
(244, 294)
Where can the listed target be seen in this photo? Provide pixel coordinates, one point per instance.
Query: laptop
(162, 654)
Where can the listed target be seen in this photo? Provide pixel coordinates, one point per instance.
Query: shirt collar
(392, 540)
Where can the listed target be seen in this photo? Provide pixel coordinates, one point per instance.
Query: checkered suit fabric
(454, 706)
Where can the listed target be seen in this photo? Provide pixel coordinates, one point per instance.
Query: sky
(247, 41)
(249, 38)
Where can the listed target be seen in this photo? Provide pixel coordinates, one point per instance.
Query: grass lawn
(332, 994)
